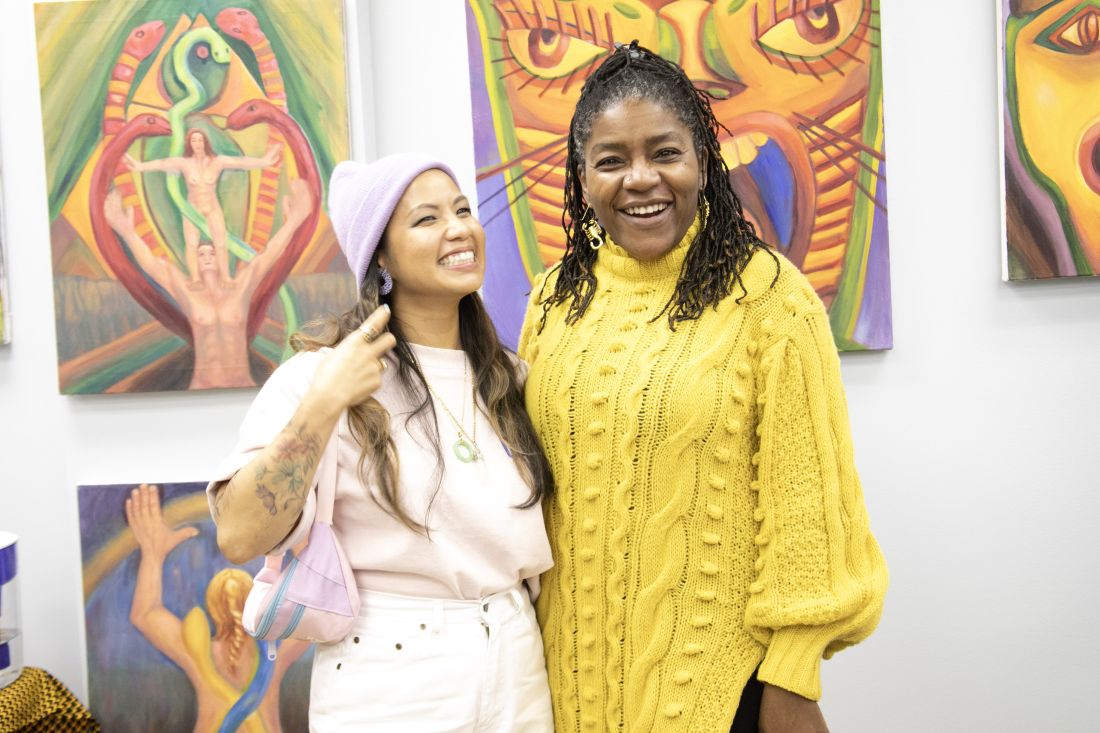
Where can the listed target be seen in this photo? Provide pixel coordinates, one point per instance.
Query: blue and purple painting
(162, 609)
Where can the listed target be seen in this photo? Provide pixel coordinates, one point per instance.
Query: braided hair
(225, 596)
(726, 240)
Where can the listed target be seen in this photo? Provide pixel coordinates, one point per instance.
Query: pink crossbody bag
(307, 593)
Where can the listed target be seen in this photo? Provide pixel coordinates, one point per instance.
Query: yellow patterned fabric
(37, 703)
(708, 519)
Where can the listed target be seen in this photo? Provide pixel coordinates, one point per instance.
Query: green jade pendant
(466, 452)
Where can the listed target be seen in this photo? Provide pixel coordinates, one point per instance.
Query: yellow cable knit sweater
(708, 518)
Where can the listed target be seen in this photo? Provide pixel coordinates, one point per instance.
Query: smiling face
(641, 176)
(796, 85)
(433, 246)
(789, 81)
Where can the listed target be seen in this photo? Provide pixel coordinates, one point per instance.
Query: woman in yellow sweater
(709, 532)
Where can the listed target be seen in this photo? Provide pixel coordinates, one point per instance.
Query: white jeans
(434, 666)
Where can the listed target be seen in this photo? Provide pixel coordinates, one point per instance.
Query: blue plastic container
(11, 641)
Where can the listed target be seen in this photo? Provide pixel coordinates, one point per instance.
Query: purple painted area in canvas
(318, 580)
(5, 656)
(1046, 216)
(485, 143)
(506, 286)
(875, 325)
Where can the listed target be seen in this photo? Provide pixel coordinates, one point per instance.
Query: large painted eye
(813, 31)
(548, 54)
(1080, 34)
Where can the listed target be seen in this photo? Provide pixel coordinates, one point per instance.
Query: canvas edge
(82, 603)
(1003, 201)
(5, 284)
(359, 74)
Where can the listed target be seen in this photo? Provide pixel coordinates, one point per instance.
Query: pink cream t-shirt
(480, 542)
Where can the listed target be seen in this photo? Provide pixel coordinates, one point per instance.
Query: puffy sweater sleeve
(820, 578)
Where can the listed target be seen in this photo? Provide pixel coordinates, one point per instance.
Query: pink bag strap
(327, 471)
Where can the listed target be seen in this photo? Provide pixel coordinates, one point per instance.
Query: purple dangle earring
(387, 282)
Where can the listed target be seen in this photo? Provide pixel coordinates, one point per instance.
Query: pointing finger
(374, 324)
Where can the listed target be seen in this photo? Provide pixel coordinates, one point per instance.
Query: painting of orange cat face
(796, 83)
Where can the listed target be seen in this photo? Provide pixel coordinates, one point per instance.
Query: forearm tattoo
(281, 477)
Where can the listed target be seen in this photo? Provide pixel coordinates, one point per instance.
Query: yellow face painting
(1052, 152)
(797, 83)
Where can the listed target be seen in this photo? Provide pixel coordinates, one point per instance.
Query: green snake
(196, 99)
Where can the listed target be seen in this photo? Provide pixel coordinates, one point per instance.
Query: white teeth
(458, 258)
(642, 210)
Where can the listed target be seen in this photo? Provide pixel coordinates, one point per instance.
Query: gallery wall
(975, 435)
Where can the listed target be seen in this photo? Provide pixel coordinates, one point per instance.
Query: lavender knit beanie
(362, 197)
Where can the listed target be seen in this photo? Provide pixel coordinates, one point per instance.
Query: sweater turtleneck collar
(615, 261)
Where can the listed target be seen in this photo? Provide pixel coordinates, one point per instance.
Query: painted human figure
(221, 667)
(201, 169)
(216, 306)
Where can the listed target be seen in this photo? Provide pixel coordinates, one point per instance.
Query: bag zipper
(294, 620)
(269, 615)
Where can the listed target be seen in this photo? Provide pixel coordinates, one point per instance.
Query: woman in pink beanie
(439, 472)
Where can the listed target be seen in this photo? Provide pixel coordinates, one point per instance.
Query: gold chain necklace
(465, 448)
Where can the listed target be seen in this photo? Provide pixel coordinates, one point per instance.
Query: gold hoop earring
(593, 232)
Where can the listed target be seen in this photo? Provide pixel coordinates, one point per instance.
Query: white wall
(974, 435)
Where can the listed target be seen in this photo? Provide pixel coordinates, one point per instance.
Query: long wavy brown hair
(496, 375)
(188, 151)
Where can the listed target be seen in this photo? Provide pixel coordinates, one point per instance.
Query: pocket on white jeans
(392, 675)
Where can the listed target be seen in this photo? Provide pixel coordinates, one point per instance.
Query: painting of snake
(797, 85)
(1050, 52)
(187, 149)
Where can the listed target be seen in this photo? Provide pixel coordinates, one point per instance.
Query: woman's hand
(782, 711)
(143, 515)
(352, 371)
(132, 163)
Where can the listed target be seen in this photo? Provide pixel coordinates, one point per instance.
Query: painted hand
(121, 219)
(273, 156)
(152, 534)
(297, 204)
